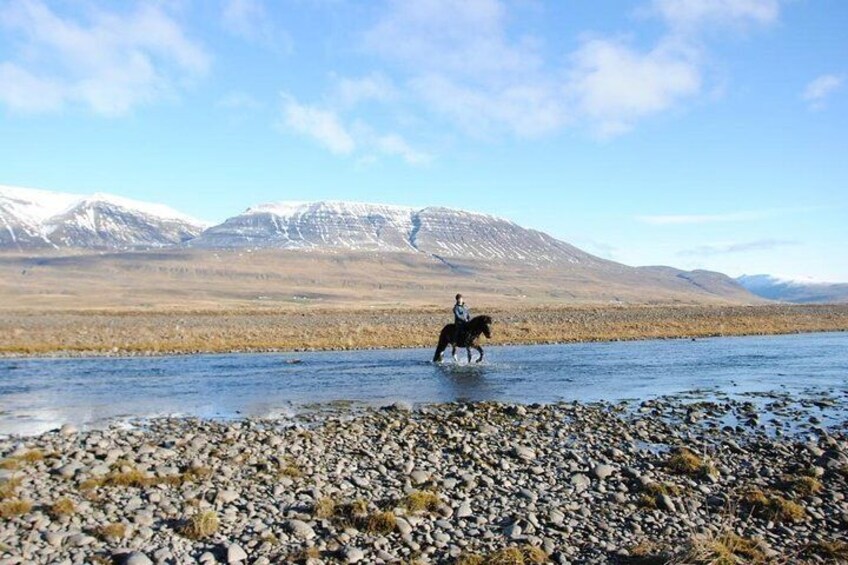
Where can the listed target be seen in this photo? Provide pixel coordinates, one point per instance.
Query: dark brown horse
(467, 339)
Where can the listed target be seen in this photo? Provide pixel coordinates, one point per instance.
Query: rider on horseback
(461, 315)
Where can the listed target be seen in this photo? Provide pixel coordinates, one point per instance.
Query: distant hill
(39, 219)
(110, 251)
(797, 291)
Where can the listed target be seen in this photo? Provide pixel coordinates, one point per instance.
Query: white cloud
(688, 15)
(327, 128)
(690, 219)
(615, 85)
(737, 247)
(250, 20)
(111, 62)
(394, 144)
(351, 91)
(820, 89)
(322, 125)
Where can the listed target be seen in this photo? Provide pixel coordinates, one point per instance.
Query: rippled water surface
(40, 394)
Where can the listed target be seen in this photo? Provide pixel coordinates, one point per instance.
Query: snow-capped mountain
(33, 219)
(440, 232)
(795, 290)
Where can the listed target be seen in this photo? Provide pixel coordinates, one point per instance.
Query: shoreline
(95, 354)
(87, 333)
(659, 481)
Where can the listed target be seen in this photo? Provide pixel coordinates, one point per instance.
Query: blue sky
(694, 133)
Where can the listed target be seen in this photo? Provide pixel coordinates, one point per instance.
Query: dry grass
(112, 532)
(324, 508)
(653, 491)
(421, 501)
(773, 506)
(725, 548)
(686, 462)
(291, 471)
(10, 464)
(304, 555)
(14, 507)
(9, 487)
(524, 555)
(62, 507)
(380, 523)
(200, 525)
(835, 551)
(32, 456)
(804, 485)
(129, 478)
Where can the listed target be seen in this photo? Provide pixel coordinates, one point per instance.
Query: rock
(513, 530)
(556, 517)
(524, 453)
(419, 477)
(666, 503)
(580, 481)
(235, 554)
(401, 406)
(68, 430)
(136, 558)
(54, 538)
(226, 496)
(602, 471)
(352, 554)
(464, 510)
(300, 529)
(403, 526)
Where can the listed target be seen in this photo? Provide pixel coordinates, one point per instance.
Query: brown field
(158, 332)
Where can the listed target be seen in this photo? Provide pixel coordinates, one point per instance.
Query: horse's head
(487, 326)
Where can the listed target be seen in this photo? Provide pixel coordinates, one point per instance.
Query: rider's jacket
(461, 314)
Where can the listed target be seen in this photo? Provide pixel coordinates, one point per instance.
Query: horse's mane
(477, 320)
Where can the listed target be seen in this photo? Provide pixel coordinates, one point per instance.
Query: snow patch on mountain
(40, 218)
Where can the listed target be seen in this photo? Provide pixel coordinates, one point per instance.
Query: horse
(471, 333)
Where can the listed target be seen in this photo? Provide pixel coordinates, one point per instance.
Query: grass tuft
(14, 507)
(62, 507)
(200, 526)
(805, 486)
(830, 551)
(773, 506)
(324, 508)
(8, 488)
(686, 462)
(112, 532)
(32, 456)
(421, 501)
(725, 548)
(381, 523)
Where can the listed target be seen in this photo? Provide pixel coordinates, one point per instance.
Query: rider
(461, 315)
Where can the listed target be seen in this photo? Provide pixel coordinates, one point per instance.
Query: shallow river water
(40, 394)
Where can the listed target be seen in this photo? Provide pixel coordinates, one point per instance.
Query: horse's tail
(444, 340)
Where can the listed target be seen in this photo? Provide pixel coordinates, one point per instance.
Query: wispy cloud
(690, 219)
(462, 63)
(689, 15)
(322, 125)
(738, 247)
(820, 89)
(328, 128)
(107, 61)
(250, 20)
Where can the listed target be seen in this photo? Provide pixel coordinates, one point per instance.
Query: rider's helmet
(458, 296)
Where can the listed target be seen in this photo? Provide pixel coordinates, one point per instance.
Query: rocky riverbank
(670, 480)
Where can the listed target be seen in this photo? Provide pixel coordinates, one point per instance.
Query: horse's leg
(468, 351)
(480, 349)
(453, 353)
(440, 349)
